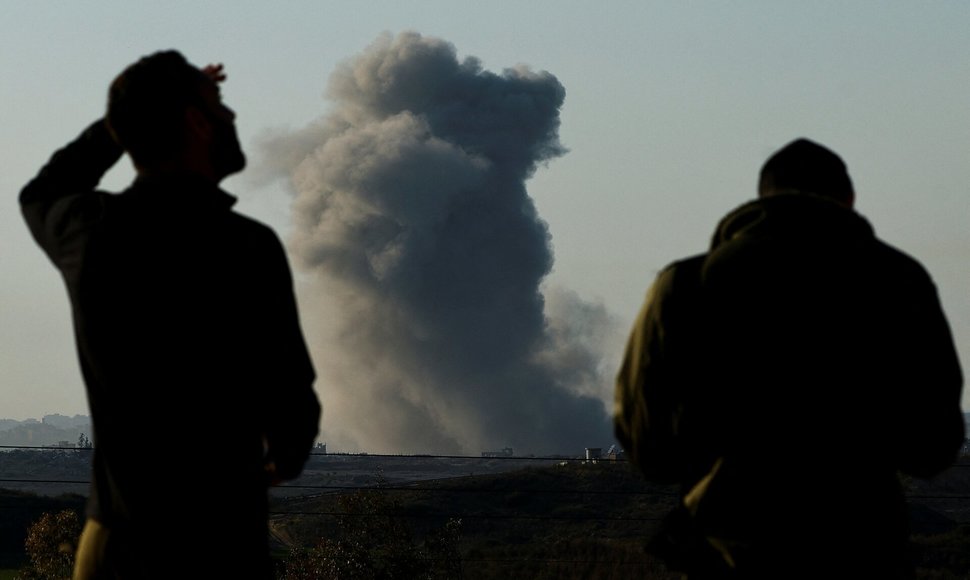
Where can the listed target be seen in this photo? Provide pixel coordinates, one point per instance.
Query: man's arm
(930, 419)
(55, 202)
(650, 387)
(292, 412)
(634, 420)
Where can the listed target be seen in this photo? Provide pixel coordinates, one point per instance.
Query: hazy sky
(670, 110)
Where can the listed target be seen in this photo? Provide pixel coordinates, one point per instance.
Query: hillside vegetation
(582, 521)
(551, 520)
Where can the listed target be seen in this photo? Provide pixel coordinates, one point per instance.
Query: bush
(50, 544)
(375, 542)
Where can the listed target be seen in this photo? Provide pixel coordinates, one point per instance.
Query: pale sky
(670, 110)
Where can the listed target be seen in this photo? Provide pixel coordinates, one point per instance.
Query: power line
(462, 516)
(475, 457)
(339, 454)
(457, 490)
(668, 494)
(47, 447)
(64, 481)
(610, 492)
(464, 560)
(546, 458)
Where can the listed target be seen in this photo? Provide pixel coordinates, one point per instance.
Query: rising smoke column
(412, 219)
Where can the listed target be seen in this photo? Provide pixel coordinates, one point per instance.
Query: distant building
(320, 448)
(614, 454)
(63, 445)
(593, 453)
(505, 452)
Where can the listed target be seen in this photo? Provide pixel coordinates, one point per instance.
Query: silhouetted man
(198, 379)
(783, 378)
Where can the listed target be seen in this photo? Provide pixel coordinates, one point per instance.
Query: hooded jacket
(783, 378)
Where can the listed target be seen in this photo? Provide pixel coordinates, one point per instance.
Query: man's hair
(803, 166)
(146, 104)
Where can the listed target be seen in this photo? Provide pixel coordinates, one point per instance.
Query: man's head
(169, 116)
(806, 167)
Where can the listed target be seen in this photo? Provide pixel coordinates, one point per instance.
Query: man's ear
(197, 123)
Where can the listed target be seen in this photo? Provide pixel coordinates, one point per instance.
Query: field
(585, 520)
(519, 518)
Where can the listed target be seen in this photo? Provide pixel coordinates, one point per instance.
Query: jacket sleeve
(61, 198)
(928, 416)
(292, 413)
(650, 385)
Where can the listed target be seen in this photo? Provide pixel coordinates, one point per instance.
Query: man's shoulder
(684, 268)
(254, 238)
(251, 228)
(250, 224)
(897, 262)
(689, 263)
(679, 276)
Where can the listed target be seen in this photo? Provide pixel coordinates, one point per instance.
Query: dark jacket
(783, 378)
(195, 366)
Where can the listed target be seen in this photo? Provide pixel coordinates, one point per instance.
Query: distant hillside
(50, 430)
(65, 422)
(54, 420)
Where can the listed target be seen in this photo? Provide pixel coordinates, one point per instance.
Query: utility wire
(464, 516)
(463, 490)
(331, 454)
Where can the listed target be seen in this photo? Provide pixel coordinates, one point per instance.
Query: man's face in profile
(225, 153)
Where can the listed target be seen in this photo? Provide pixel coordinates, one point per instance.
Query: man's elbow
(935, 451)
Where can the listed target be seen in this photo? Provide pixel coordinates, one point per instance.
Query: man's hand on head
(216, 72)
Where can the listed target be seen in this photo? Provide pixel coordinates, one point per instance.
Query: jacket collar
(800, 215)
(183, 189)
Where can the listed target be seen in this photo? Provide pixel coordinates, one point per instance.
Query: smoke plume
(424, 255)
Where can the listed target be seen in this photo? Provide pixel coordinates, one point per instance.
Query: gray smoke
(425, 255)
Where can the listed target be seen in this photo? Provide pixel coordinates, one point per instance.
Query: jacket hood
(800, 216)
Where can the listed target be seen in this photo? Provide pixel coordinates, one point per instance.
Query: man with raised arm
(783, 378)
(197, 375)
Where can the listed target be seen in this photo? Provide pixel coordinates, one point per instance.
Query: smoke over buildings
(421, 254)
